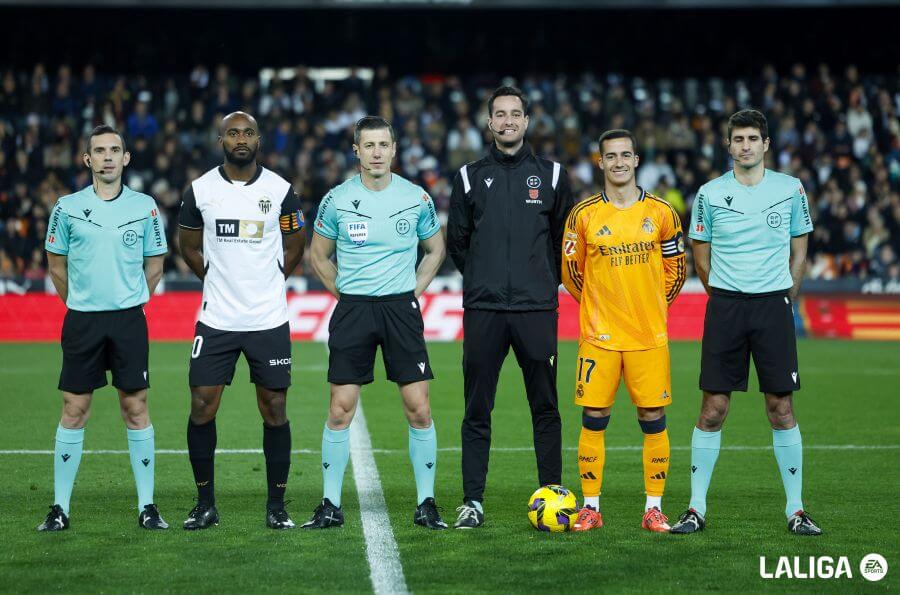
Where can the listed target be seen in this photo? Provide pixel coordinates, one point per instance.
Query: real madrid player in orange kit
(623, 260)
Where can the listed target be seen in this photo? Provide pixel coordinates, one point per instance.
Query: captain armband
(291, 223)
(674, 246)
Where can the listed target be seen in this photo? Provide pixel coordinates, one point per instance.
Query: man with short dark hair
(623, 261)
(507, 213)
(105, 247)
(750, 229)
(375, 222)
(241, 232)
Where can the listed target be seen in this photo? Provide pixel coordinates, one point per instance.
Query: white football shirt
(242, 223)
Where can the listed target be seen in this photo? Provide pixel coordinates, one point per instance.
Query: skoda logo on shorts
(402, 227)
(130, 237)
(533, 182)
(774, 220)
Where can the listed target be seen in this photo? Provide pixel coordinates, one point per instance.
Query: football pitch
(849, 413)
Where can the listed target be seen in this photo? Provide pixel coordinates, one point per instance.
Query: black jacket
(507, 214)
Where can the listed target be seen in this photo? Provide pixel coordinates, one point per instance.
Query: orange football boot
(654, 520)
(588, 519)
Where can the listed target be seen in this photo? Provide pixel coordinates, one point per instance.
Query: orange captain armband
(292, 222)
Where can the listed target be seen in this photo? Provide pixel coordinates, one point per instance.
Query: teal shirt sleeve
(428, 220)
(57, 240)
(701, 222)
(801, 222)
(154, 234)
(326, 219)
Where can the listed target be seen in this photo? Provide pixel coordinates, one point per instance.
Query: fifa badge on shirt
(358, 232)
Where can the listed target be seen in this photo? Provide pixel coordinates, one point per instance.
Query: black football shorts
(740, 325)
(359, 324)
(215, 352)
(94, 342)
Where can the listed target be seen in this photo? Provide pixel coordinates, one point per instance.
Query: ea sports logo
(873, 567)
(533, 182)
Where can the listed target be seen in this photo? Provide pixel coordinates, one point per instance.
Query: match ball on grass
(552, 508)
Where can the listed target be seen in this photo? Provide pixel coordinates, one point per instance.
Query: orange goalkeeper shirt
(624, 266)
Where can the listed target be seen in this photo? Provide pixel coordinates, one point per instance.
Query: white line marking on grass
(385, 569)
(397, 451)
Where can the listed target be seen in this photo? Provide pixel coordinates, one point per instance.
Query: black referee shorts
(359, 324)
(739, 325)
(94, 342)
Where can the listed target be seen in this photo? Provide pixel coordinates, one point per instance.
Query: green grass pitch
(850, 396)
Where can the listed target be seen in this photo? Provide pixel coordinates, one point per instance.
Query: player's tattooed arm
(153, 270)
(191, 242)
(435, 252)
(59, 273)
(320, 252)
(798, 263)
(702, 261)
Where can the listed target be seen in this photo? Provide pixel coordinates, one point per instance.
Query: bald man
(241, 232)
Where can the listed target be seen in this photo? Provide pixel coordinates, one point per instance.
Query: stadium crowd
(839, 132)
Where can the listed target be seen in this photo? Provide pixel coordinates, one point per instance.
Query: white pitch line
(397, 451)
(385, 569)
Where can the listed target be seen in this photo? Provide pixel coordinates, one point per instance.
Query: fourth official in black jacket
(507, 214)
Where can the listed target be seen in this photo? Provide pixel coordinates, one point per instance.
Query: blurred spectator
(839, 132)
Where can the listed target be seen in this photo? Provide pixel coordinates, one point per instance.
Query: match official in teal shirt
(749, 229)
(376, 222)
(105, 247)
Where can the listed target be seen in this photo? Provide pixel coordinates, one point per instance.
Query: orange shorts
(648, 376)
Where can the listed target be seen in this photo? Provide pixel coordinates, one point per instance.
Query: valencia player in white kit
(241, 233)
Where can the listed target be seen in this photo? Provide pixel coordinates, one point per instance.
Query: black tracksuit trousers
(488, 335)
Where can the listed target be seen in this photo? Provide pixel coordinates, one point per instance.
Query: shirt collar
(255, 177)
(504, 159)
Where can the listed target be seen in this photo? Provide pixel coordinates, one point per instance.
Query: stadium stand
(839, 132)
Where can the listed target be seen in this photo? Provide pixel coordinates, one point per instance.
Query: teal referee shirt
(377, 234)
(105, 242)
(750, 229)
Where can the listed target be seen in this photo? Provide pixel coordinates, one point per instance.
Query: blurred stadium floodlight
(319, 76)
